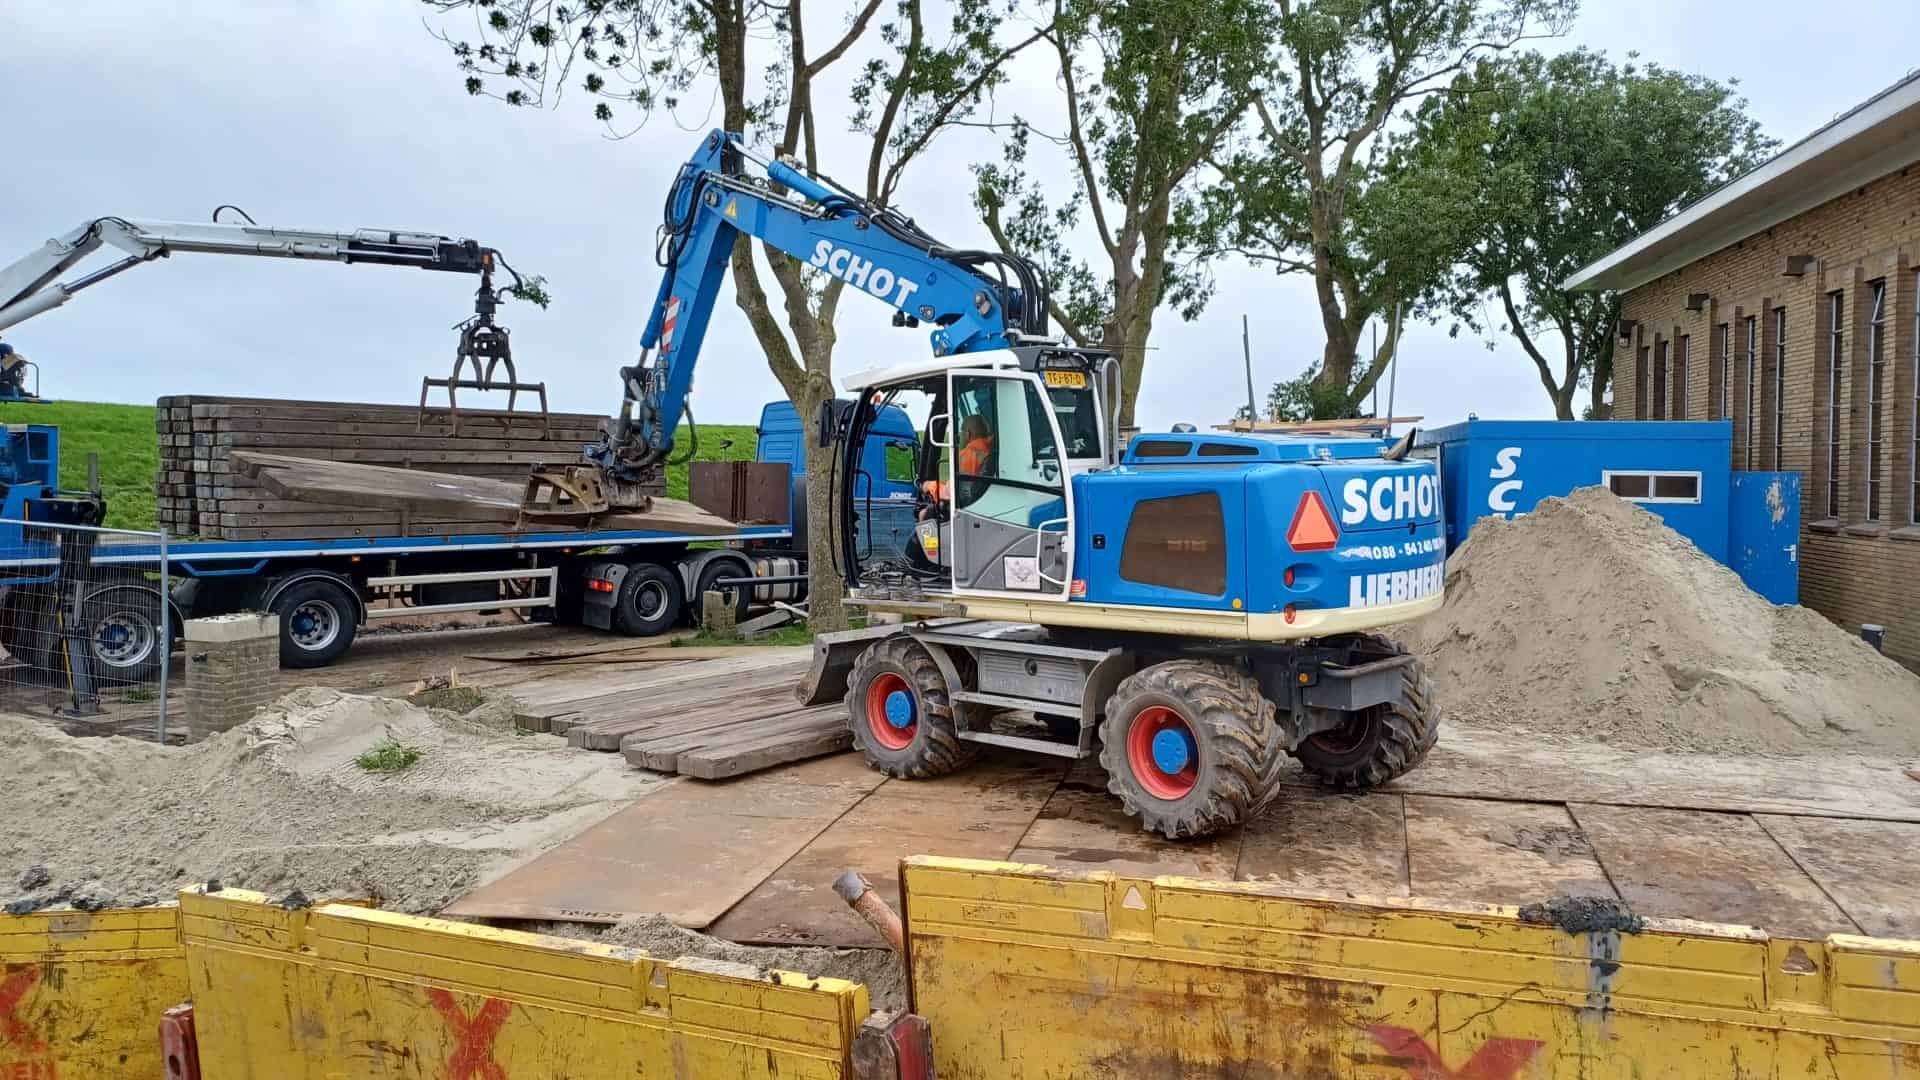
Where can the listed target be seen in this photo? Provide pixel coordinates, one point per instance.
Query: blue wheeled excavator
(1193, 608)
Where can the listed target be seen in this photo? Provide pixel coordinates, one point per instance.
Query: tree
(1326, 193)
(638, 57)
(1560, 160)
(1151, 89)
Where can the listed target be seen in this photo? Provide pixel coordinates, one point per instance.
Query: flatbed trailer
(630, 581)
(637, 582)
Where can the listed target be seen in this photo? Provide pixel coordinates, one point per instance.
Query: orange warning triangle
(733, 208)
(1312, 528)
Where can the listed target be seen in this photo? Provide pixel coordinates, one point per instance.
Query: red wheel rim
(1173, 771)
(885, 730)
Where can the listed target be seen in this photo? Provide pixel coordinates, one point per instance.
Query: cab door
(1008, 477)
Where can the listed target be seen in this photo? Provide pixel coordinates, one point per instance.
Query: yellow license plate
(1074, 379)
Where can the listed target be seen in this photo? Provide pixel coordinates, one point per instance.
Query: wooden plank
(1476, 763)
(1721, 868)
(829, 736)
(689, 851)
(475, 447)
(1314, 839)
(980, 812)
(431, 492)
(569, 691)
(1082, 828)
(690, 710)
(1498, 852)
(1871, 869)
(292, 409)
(353, 424)
(661, 752)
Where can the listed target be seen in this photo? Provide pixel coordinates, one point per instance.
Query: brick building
(1786, 302)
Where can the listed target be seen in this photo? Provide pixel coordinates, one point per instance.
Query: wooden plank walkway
(1798, 847)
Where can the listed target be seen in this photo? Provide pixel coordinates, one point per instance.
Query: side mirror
(829, 428)
(937, 429)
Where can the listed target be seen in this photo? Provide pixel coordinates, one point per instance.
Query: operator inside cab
(972, 460)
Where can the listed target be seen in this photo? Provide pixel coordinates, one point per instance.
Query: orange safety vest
(973, 456)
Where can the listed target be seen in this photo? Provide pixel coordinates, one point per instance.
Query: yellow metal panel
(81, 993)
(1196, 977)
(352, 993)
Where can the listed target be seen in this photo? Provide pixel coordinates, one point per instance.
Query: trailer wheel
(1191, 747)
(123, 629)
(901, 711)
(1375, 745)
(649, 602)
(318, 619)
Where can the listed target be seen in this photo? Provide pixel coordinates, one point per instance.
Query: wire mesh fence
(86, 628)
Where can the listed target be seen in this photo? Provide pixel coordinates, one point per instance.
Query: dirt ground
(285, 802)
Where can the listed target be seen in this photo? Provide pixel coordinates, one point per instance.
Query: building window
(1913, 514)
(1779, 385)
(1836, 347)
(1660, 379)
(1876, 365)
(1640, 384)
(1724, 364)
(1752, 365)
(1680, 377)
(1653, 487)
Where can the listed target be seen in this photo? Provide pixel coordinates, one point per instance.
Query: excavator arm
(974, 300)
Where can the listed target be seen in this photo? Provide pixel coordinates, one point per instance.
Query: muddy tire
(1380, 743)
(901, 712)
(1191, 747)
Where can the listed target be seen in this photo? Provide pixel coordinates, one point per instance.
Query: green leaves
(1557, 161)
(652, 51)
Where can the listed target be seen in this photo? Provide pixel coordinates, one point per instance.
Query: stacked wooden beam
(728, 715)
(203, 492)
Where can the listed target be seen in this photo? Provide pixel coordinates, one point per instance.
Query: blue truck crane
(1193, 608)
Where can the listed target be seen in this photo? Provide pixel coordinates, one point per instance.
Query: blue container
(1763, 533)
(1677, 469)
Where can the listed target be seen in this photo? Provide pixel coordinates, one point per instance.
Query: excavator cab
(1003, 435)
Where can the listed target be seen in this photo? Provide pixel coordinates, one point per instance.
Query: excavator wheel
(901, 710)
(1191, 747)
(1377, 744)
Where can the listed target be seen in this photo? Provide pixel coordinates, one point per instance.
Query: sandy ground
(280, 803)
(1589, 620)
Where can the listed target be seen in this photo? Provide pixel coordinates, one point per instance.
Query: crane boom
(975, 300)
(29, 287)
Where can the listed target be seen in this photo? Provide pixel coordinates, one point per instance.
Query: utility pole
(1246, 351)
(1393, 365)
(1374, 329)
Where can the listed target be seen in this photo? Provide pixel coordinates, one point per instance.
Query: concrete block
(240, 626)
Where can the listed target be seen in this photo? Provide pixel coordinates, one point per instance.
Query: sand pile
(1590, 619)
(280, 803)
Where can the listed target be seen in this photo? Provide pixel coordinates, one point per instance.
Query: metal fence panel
(86, 628)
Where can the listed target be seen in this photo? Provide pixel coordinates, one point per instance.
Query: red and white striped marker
(666, 329)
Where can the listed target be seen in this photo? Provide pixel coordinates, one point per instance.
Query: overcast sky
(345, 113)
